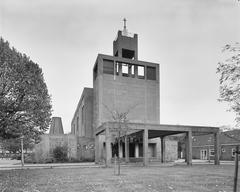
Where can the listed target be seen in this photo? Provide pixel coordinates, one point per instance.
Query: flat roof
(157, 130)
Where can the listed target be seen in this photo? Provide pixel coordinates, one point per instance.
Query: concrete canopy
(150, 131)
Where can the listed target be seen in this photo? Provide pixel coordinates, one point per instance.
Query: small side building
(203, 146)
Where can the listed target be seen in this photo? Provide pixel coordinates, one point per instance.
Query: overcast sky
(184, 36)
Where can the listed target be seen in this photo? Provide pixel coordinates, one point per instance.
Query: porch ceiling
(154, 133)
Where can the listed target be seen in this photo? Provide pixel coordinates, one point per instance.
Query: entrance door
(203, 154)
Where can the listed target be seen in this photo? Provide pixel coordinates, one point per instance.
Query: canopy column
(163, 149)
(126, 149)
(108, 146)
(145, 147)
(189, 147)
(96, 148)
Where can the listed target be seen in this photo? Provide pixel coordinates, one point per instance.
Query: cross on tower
(125, 20)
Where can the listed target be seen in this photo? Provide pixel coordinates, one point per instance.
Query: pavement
(198, 161)
(7, 164)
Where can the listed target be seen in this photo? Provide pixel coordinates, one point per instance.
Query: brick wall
(44, 149)
(82, 122)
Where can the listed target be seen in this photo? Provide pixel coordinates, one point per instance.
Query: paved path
(198, 161)
(16, 164)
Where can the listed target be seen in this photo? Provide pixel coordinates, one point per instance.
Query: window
(95, 71)
(151, 73)
(233, 152)
(203, 154)
(74, 127)
(117, 68)
(83, 115)
(108, 67)
(125, 69)
(77, 125)
(132, 70)
(83, 121)
(223, 150)
(211, 152)
(141, 72)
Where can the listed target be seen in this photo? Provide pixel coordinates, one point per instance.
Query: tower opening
(129, 54)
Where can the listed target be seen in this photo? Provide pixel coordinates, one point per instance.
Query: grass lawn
(198, 178)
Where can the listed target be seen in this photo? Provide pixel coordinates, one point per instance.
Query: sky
(184, 36)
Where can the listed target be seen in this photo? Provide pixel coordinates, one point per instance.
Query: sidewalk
(198, 161)
(16, 164)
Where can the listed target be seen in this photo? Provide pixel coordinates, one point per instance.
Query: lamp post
(22, 153)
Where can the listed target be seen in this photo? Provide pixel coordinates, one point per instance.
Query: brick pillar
(120, 69)
(135, 71)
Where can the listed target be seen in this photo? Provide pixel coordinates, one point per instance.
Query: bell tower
(126, 44)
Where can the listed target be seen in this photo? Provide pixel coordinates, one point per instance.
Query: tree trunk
(22, 152)
(118, 152)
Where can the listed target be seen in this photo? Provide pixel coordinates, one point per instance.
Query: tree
(121, 118)
(13, 145)
(229, 71)
(25, 105)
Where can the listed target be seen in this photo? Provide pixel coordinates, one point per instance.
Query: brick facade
(203, 146)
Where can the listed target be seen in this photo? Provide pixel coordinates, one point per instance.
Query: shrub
(60, 153)
(29, 158)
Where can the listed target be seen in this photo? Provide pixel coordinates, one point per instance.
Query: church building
(125, 85)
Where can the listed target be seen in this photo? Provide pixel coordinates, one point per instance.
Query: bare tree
(121, 118)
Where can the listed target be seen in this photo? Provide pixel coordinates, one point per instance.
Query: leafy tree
(13, 145)
(229, 71)
(25, 105)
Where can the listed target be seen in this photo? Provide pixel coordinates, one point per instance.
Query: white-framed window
(203, 154)
(117, 68)
(132, 70)
(211, 152)
(141, 71)
(124, 69)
